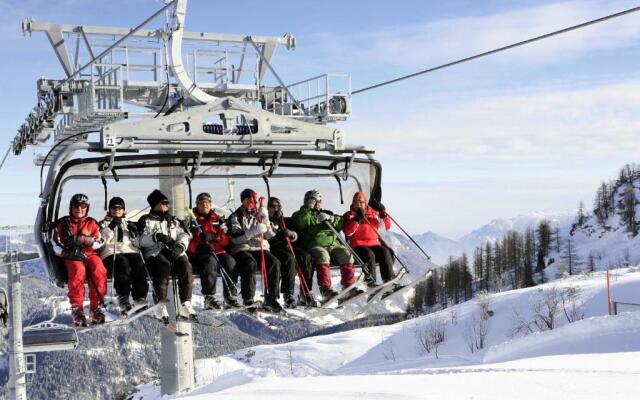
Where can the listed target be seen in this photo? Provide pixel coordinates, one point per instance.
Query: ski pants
(249, 262)
(288, 269)
(162, 268)
(129, 275)
(92, 270)
(371, 255)
(206, 265)
(322, 257)
(4, 315)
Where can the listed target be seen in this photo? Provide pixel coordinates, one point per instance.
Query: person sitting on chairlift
(317, 238)
(289, 256)
(121, 256)
(250, 230)
(208, 256)
(76, 239)
(361, 224)
(163, 240)
(4, 307)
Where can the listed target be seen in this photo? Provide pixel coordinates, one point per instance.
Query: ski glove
(277, 216)
(255, 230)
(74, 254)
(85, 241)
(209, 237)
(175, 249)
(292, 235)
(359, 217)
(115, 222)
(161, 237)
(323, 216)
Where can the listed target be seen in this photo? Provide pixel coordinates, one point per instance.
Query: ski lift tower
(176, 100)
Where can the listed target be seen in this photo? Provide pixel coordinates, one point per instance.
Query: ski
(119, 322)
(384, 294)
(173, 328)
(330, 301)
(376, 290)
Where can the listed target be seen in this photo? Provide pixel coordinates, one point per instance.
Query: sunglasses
(165, 202)
(117, 208)
(80, 205)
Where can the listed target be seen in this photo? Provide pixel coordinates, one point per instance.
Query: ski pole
(364, 267)
(409, 236)
(393, 253)
(303, 282)
(263, 263)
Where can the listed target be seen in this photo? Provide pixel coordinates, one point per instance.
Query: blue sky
(533, 129)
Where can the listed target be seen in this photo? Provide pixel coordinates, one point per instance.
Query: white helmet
(312, 197)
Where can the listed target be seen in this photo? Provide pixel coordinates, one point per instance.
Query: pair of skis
(390, 290)
(343, 299)
(131, 316)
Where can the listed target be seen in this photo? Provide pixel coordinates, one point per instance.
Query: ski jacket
(364, 233)
(242, 229)
(312, 231)
(68, 229)
(279, 241)
(208, 223)
(152, 223)
(124, 236)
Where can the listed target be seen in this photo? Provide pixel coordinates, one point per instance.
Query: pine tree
(478, 266)
(528, 257)
(570, 255)
(488, 264)
(544, 238)
(556, 239)
(627, 210)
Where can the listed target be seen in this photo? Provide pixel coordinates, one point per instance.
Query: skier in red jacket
(361, 225)
(76, 239)
(208, 248)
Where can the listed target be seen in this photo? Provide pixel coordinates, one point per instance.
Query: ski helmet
(312, 197)
(79, 198)
(203, 196)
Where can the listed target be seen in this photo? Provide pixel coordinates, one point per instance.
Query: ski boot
(211, 303)
(187, 312)
(97, 316)
(289, 301)
(125, 306)
(353, 292)
(161, 312)
(327, 293)
(272, 305)
(308, 300)
(78, 317)
(231, 302)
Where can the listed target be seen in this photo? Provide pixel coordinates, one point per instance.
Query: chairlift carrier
(205, 102)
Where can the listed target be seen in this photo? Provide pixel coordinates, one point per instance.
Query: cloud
(551, 124)
(434, 41)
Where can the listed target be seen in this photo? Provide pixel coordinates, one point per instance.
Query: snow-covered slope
(592, 358)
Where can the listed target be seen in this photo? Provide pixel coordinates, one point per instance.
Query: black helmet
(116, 202)
(79, 198)
(203, 196)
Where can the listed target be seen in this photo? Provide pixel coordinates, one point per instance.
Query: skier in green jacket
(318, 239)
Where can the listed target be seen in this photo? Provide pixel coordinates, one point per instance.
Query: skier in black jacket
(280, 247)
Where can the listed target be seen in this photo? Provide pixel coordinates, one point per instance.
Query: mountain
(497, 228)
(439, 247)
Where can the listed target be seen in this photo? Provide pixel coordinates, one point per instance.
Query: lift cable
(508, 47)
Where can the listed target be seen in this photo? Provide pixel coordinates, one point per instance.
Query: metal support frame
(17, 372)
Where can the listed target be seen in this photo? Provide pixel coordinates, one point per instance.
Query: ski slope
(592, 358)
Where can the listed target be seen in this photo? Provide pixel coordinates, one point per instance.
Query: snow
(592, 358)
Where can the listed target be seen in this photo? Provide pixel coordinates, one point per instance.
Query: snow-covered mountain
(440, 248)
(473, 359)
(497, 228)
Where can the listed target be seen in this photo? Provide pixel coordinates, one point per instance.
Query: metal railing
(624, 307)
